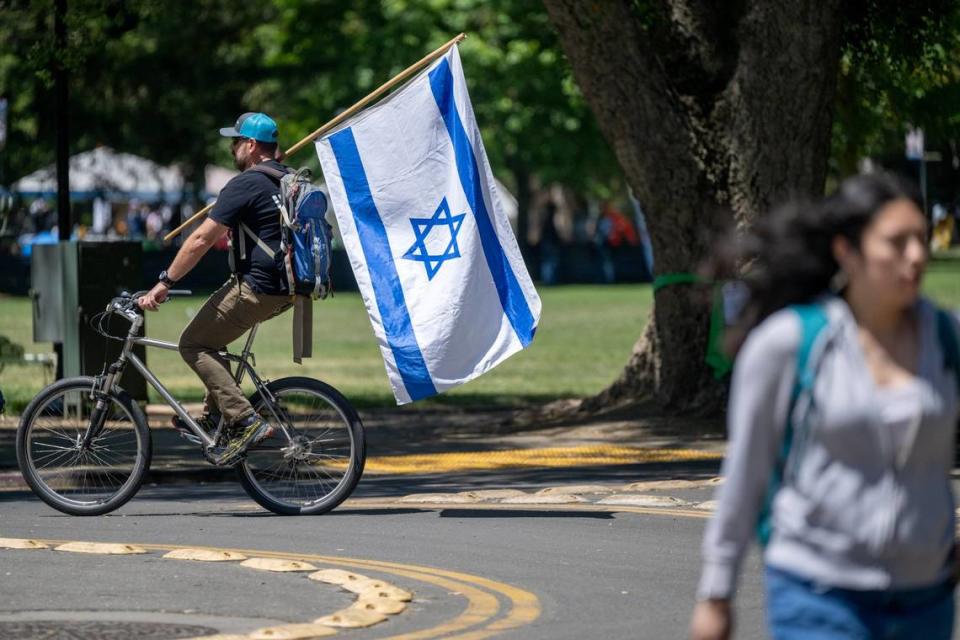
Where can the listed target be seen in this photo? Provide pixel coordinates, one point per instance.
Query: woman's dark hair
(788, 254)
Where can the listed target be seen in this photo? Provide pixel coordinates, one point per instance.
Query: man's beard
(240, 163)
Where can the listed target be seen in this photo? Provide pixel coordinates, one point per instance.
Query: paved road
(524, 572)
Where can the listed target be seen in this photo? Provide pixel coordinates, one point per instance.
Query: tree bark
(715, 111)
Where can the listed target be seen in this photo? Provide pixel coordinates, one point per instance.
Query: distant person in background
(135, 224)
(102, 215)
(841, 422)
(549, 245)
(42, 215)
(613, 230)
(154, 224)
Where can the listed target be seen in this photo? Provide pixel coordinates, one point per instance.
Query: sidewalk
(456, 449)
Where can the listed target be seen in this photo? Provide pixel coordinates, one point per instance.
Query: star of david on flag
(448, 294)
(422, 227)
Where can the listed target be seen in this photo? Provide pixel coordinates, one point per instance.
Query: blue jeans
(798, 609)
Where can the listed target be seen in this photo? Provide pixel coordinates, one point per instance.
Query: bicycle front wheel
(77, 478)
(316, 455)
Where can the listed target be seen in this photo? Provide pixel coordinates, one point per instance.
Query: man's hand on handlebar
(155, 297)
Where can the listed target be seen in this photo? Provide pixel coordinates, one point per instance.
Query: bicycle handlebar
(126, 303)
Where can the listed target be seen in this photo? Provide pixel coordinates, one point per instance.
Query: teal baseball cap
(257, 126)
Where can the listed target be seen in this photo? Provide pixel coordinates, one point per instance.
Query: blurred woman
(853, 500)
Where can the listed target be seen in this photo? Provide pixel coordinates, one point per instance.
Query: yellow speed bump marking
(276, 564)
(643, 500)
(370, 602)
(492, 494)
(449, 498)
(552, 498)
(352, 618)
(577, 489)
(204, 555)
(656, 485)
(336, 576)
(292, 632)
(519, 458)
(480, 618)
(100, 548)
(378, 589)
(21, 543)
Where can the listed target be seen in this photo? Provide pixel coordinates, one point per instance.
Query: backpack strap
(302, 328)
(813, 320)
(276, 174)
(949, 343)
(260, 243)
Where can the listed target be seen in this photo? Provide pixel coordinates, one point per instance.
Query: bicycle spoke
(81, 477)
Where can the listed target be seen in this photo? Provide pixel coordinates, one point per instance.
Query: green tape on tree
(715, 358)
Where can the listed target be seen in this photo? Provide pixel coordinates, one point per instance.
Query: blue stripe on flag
(383, 271)
(508, 288)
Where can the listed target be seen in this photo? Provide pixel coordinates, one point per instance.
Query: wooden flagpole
(376, 94)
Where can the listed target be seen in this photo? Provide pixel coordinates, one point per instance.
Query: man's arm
(194, 248)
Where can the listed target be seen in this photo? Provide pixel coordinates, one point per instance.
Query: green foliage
(900, 65)
(324, 55)
(151, 77)
(157, 78)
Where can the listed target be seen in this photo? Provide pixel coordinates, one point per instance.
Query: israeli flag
(430, 245)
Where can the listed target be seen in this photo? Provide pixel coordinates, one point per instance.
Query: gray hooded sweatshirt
(866, 501)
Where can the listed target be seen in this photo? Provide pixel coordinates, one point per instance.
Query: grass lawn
(585, 337)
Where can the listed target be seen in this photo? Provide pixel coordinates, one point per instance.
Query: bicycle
(84, 445)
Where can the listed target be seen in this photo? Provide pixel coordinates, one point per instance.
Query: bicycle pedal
(189, 437)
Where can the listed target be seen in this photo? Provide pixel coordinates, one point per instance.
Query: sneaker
(244, 435)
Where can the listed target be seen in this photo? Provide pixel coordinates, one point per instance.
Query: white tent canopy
(103, 172)
(216, 178)
(106, 173)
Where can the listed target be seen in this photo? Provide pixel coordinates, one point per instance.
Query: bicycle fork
(103, 385)
(100, 392)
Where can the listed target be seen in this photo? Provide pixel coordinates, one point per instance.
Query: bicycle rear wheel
(82, 481)
(315, 458)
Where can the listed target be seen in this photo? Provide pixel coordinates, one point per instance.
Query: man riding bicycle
(255, 292)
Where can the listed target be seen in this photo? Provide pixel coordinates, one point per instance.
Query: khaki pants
(224, 317)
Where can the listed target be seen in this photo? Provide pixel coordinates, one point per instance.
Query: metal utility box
(70, 283)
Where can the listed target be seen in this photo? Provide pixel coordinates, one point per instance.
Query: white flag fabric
(429, 241)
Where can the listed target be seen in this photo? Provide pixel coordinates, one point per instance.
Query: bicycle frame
(126, 355)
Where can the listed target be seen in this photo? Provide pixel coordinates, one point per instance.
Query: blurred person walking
(841, 419)
(549, 245)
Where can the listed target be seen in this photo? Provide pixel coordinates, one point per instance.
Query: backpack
(813, 320)
(305, 237)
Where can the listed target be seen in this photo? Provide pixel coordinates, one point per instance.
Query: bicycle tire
(254, 482)
(36, 410)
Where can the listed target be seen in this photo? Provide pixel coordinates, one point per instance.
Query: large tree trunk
(715, 110)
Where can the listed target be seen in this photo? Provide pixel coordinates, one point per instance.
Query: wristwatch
(165, 279)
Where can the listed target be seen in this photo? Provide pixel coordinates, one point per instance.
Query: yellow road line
(483, 604)
(588, 455)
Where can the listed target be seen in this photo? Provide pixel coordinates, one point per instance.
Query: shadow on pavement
(532, 479)
(520, 513)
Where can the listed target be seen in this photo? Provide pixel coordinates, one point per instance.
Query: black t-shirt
(248, 198)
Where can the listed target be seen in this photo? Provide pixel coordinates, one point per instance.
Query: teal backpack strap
(949, 343)
(813, 319)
